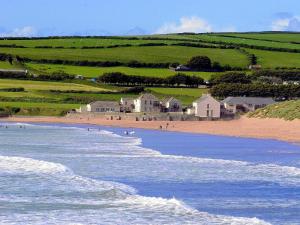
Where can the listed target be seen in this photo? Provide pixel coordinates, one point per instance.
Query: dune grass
(289, 110)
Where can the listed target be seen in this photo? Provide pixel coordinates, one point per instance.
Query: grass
(40, 108)
(92, 72)
(288, 110)
(6, 65)
(271, 59)
(156, 54)
(78, 42)
(283, 37)
(186, 95)
(263, 43)
(46, 85)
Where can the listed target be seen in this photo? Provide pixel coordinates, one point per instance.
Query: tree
(10, 59)
(230, 77)
(199, 63)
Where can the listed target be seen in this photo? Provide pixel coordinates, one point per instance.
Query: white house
(103, 107)
(127, 104)
(207, 107)
(245, 104)
(147, 103)
(171, 105)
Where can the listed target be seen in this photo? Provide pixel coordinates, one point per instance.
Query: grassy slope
(186, 95)
(44, 85)
(270, 59)
(6, 65)
(283, 37)
(288, 110)
(78, 42)
(154, 54)
(91, 72)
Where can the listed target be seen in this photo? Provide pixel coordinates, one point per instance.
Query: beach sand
(244, 127)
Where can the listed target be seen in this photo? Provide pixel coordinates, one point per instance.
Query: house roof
(166, 100)
(248, 100)
(204, 97)
(146, 95)
(105, 104)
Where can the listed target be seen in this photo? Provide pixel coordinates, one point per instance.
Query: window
(208, 106)
(145, 102)
(207, 113)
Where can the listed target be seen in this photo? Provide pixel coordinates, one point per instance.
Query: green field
(288, 110)
(45, 85)
(92, 72)
(282, 37)
(79, 42)
(6, 65)
(186, 95)
(156, 54)
(38, 99)
(233, 40)
(270, 59)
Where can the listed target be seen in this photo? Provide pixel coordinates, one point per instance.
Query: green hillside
(94, 56)
(288, 110)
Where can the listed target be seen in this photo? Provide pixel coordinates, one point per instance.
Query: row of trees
(132, 80)
(256, 90)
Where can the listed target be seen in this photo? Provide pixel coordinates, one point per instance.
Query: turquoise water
(51, 174)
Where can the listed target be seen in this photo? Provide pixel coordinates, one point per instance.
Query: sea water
(51, 174)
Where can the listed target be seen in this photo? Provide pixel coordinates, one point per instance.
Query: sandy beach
(243, 127)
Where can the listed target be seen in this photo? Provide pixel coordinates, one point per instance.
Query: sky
(132, 17)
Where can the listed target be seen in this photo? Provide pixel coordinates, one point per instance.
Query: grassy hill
(288, 110)
(273, 50)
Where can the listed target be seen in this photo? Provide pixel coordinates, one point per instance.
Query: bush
(199, 63)
(230, 77)
(256, 90)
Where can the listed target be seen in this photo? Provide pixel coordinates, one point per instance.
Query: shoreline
(244, 127)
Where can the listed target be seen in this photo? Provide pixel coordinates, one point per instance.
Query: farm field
(93, 72)
(6, 65)
(282, 37)
(186, 95)
(236, 40)
(46, 85)
(271, 59)
(155, 54)
(80, 42)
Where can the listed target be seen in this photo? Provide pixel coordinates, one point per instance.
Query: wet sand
(243, 127)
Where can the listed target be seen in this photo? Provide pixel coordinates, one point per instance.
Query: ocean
(80, 174)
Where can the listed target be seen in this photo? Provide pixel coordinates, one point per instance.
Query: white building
(147, 103)
(127, 104)
(245, 104)
(206, 107)
(171, 105)
(103, 107)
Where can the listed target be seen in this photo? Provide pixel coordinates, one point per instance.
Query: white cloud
(286, 24)
(186, 24)
(27, 31)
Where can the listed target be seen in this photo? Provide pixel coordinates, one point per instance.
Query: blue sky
(119, 17)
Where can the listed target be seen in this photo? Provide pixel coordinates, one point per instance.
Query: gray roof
(105, 103)
(147, 95)
(248, 100)
(166, 100)
(204, 97)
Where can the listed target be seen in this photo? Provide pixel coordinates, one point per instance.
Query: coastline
(244, 127)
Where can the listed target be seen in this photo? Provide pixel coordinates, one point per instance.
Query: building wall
(102, 108)
(146, 105)
(208, 108)
(174, 106)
